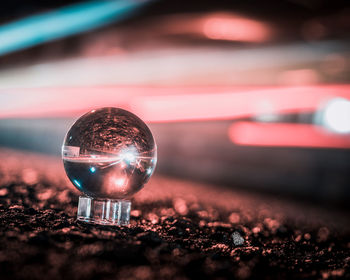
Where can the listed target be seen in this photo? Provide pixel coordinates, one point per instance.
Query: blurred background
(237, 93)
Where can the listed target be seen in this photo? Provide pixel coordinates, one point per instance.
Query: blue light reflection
(77, 183)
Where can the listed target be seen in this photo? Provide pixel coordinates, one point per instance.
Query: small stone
(307, 236)
(153, 218)
(234, 218)
(29, 176)
(180, 206)
(322, 234)
(135, 213)
(256, 230)
(3, 192)
(238, 240)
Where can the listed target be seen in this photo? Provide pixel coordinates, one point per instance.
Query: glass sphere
(109, 153)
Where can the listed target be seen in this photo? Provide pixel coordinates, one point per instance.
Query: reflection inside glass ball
(109, 153)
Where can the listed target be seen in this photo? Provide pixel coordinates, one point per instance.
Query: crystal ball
(109, 153)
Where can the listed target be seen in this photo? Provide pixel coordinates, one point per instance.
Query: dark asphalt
(179, 230)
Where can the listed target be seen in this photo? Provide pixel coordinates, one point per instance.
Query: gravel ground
(179, 230)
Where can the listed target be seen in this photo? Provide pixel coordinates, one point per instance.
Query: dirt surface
(179, 230)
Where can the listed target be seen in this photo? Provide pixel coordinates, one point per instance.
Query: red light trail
(285, 135)
(166, 104)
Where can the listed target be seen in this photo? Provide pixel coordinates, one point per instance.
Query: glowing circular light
(129, 156)
(335, 116)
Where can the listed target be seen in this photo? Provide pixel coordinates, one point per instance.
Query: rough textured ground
(179, 230)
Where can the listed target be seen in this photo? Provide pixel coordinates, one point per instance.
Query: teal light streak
(63, 22)
(77, 183)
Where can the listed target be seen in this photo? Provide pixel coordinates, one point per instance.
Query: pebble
(238, 240)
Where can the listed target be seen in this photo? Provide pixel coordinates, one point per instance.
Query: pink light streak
(168, 104)
(285, 135)
(244, 103)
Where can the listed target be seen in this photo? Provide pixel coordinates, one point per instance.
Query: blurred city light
(335, 116)
(235, 28)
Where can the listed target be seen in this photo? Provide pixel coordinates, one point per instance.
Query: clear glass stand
(104, 211)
